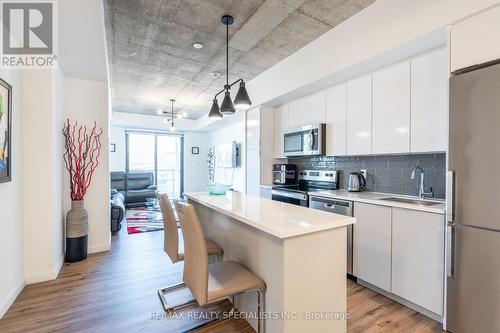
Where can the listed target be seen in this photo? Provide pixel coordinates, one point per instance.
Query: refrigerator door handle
(450, 196)
(449, 250)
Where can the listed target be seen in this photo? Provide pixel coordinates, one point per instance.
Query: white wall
(86, 101)
(117, 160)
(384, 25)
(42, 174)
(236, 131)
(11, 222)
(195, 166)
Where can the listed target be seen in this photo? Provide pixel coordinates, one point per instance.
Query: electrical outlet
(363, 172)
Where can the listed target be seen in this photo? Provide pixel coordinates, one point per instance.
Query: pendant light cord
(227, 57)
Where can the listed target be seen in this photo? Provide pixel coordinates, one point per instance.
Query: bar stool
(217, 281)
(171, 247)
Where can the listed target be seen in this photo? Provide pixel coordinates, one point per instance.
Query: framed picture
(195, 150)
(112, 147)
(5, 131)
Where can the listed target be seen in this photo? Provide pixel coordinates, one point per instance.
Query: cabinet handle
(449, 250)
(450, 196)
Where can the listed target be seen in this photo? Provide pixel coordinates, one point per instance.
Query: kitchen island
(299, 252)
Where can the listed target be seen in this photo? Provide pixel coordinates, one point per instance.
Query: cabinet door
(336, 120)
(391, 109)
(359, 115)
(418, 258)
(475, 40)
(253, 128)
(429, 102)
(265, 193)
(280, 126)
(372, 244)
(253, 172)
(307, 110)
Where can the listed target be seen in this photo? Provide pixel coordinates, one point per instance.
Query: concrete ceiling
(152, 59)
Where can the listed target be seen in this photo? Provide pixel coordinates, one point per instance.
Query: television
(227, 155)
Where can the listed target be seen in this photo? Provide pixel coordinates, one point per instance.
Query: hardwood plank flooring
(115, 291)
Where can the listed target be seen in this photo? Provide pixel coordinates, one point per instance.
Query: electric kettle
(357, 182)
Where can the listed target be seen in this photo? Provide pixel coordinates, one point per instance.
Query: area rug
(144, 220)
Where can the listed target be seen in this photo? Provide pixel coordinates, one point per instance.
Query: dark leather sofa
(135, 187)
(117, 204)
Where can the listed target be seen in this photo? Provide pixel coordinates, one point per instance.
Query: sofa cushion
(139, 196)
(139, 180)
(118, 180)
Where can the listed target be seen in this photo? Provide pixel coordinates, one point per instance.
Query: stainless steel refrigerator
(473, 229)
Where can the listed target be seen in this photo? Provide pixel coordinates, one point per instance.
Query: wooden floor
(116, 292)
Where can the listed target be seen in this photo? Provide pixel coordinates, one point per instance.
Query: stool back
(171, 236)
(195, 254)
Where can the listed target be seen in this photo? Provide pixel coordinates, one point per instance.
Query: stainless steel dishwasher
(342, 207)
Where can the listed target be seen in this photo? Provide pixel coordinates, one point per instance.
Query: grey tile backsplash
(386, 173)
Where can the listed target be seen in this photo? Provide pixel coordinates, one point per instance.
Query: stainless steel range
(309, 181)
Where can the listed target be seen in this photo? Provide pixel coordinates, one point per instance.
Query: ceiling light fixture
(198, 45)
(172, 126)
(242, 99)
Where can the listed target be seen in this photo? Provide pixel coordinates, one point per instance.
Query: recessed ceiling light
(198, 45)
(159, 112)
(215, 74)
(184, 114)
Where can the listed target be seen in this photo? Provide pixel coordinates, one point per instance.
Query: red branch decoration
(81, 156)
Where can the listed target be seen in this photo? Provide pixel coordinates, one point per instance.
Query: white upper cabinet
(253, 128)
(359, 115)
(418, 258)
(391, 109)
(280, 126)
(307, 110)
(336, 120)
(429, 102)
(475, 40)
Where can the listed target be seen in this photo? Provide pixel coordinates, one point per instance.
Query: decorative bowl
(217, 189)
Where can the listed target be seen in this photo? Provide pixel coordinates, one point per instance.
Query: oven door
(294, 198)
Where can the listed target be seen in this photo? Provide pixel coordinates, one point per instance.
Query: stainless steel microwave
(305, 141)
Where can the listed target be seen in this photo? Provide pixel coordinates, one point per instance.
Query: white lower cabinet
(418, 258)
(265, 192)
(372, 244)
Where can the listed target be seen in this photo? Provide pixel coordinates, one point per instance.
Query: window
(158, 153)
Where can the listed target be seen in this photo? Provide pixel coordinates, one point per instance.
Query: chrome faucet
(421, 191)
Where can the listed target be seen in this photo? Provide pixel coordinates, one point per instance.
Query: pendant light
(242, 99)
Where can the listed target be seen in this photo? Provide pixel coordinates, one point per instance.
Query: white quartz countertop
(279, 219)
(374, 198)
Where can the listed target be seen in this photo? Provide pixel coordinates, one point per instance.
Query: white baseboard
(99, 248)
(6, 304)
(46, 275)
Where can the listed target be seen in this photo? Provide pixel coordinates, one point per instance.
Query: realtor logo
(28, 34)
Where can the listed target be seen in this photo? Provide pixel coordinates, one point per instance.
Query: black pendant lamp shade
(242, 99)
(214, 111)
(227, 106)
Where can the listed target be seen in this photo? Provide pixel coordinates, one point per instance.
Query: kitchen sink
(412, 201)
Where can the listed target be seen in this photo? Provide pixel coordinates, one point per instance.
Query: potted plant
(81, 158)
